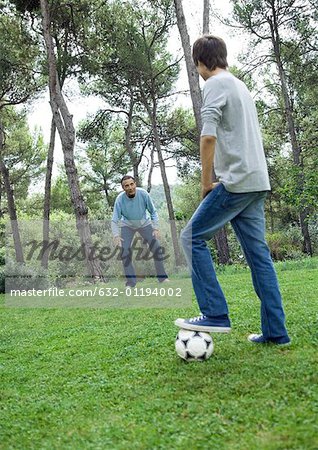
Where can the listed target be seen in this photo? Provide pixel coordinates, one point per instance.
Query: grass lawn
(110, 378)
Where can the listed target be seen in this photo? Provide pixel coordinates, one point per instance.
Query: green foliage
(179, 138)
(19, 56)
(106, 159)
(136, 60)
(2, 256)
(31, 206)
(26, 5)
(68, 29)
(187, 196)
(313, 230)
(24, 277)
(60, 195)
(24, 152)
(246, 77)
(2, 232)
(289, 114)
(285, 244)
(134, 72)
(62, 267)
(158, 197)
(119, 51)
(66, 261)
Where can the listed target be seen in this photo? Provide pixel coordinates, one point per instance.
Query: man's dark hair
(126, 177)
(211, 51)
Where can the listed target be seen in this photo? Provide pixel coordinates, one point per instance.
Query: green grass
(110, 378)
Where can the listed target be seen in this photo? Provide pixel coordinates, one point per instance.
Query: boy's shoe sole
(181, 323)
(259, 339)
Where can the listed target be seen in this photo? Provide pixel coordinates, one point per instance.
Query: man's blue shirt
(135, 212)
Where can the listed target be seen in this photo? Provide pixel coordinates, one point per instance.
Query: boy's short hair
(211, 51)
(126, 177)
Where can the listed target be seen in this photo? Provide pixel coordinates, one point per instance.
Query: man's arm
(207, 150)
(114, 223)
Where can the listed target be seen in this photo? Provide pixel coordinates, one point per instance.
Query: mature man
(129, 216)
(231, 143)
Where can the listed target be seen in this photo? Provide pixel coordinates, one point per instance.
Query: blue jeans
(246, 213)
(127, 235)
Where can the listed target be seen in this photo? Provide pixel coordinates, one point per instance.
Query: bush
(285, 244)
(22, 277)
(313, 231)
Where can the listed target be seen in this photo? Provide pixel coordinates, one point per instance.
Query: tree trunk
(296, 149)
(150, 170)
(11, 203)
(222, 246)
(307, 247)
(193, 76)
(64, 124)
(174, 234)
(108, 199)
(47, 194)
(271, 213)
(220, 238)
(206, 17)
(172, 219)
(134, 161)
(47, 190)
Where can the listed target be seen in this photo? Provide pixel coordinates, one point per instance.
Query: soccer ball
(194, 345)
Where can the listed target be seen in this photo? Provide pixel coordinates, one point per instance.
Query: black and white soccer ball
(194, 345)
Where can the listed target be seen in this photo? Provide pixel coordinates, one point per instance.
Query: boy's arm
(207, 150)
(214, 99)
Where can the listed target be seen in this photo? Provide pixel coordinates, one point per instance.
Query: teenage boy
(130, 216)
(230, 143)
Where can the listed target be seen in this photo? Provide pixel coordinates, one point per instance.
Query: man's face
(129, 187)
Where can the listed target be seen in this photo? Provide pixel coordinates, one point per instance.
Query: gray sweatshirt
(229, 114)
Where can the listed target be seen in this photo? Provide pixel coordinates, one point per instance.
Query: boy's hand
(208, 188)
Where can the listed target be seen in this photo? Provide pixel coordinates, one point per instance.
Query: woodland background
(117, 52)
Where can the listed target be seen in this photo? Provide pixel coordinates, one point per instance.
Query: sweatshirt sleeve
(153, 213)
(214, 99)
(116, 218)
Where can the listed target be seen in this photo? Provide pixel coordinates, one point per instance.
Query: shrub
(22, 277)
(285, 244)
(313, 231)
